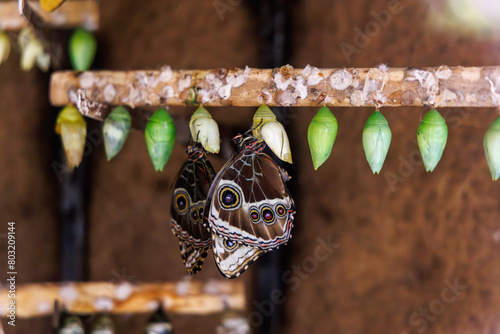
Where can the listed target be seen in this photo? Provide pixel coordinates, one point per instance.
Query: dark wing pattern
(249, 209)
(250, 203)
(187, 208)
(232, 258)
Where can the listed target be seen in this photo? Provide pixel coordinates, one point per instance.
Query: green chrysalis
(376, 140)
(321, 135)
(115, 129)
(432, 134)
(160, 138)
(491, 144)
(82, 49)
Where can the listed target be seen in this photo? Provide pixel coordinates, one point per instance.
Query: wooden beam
(80, 13)
(337, 87)
(185, 297)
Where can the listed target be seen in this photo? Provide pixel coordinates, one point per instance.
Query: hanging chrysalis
(159, 323)
(73, 130)
(4, 47)
(71, 324)
(321, 136)
(50, 5)
(491, 144)
(266, 128)
(32, 51)
(103, 325)
(262, 116)
(204, 130)
(432, 135)
(115, 129)
(376, 140)
(82, 49)
(160, 138)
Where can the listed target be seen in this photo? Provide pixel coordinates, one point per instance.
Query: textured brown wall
(397, 244)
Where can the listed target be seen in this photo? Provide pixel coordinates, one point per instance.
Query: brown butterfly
(233, 258)
(187, 208)
(248, 208)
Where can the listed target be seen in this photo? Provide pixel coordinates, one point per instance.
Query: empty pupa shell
(321, 136)
(73, 130)
(204, 130)
(160, 138)
(50, 5)
(4, 47)
(82, 49)
(376, 140)
(32, 51)
(274, 134)
(266, 128)
(103, 325)
(115, 129)
(491, 144)
(262, 116)
(432, 135)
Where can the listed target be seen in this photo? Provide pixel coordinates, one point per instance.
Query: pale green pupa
(321, 135)
(432, 135)
(491, 144)
(160, 138)
(73, 130)
(204, 130)
(115, 130)
(82, 49)
(376, 140)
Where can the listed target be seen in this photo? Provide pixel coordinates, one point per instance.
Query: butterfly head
(248, 142)
(195, 151)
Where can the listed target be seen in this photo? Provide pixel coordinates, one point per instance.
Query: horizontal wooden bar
(80, 13)
(185, 297)
(285, 86)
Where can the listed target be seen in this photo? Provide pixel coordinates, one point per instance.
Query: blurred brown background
(401, 235)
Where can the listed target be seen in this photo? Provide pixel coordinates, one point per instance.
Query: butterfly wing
(233, 258)
(188, 203)
(249, 203)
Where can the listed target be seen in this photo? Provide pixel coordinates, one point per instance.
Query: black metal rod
(73, 223)
(275, 49)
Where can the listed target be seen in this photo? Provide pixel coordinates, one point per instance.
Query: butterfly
(248, 209)
(187, 208)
